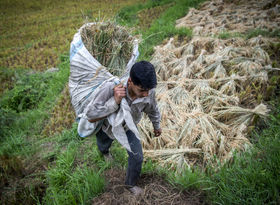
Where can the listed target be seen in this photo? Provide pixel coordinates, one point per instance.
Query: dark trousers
(135, 158)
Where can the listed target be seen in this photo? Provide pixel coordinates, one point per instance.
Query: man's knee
(137, 157)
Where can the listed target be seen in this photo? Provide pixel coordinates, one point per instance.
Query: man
(139, 92)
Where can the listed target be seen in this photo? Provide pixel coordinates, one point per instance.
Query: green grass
(253, 177)
(21, 125)
(161, 28)
(250, 34)
(70, 181)
(193, 179)
(256, 32)
(33, 96)
(8, 77)
(128, 15)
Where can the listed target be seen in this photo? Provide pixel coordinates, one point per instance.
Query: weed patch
(27, 93)
(71, 182)
(62, 115)
(8, 77)
(20, 168)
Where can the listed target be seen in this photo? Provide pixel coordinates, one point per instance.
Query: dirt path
(156, 191)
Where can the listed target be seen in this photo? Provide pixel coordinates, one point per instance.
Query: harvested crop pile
(209, 93)
(110, 44)
(218, 16)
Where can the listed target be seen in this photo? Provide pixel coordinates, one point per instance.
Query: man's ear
(129, 80)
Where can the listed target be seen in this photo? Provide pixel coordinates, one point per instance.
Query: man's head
(142, 79)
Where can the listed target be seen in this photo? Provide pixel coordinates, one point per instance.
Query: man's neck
(131, 93)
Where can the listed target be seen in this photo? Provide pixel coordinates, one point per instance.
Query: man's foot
(108, 157)
(136, 191)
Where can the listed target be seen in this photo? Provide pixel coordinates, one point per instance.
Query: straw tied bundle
(109, 44)
(218, 16)
(208, 94)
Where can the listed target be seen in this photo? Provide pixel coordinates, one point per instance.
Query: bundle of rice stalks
(200, 131)
(110, 44)
(209, 92)
(236, 116)
(218, 16)
(259, 40)
(174, 157)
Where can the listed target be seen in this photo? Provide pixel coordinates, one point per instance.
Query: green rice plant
(14, 146)
(85, 184)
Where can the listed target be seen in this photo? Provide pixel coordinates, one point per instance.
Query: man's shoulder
(107, 85)
(105, 90)
(152, 93)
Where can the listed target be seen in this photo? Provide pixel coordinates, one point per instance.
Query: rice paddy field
(218, 68)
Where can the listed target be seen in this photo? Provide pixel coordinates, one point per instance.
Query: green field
(42, 158)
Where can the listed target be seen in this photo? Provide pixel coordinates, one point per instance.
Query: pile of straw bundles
(209, 93)
(218, 16)
(109, 44)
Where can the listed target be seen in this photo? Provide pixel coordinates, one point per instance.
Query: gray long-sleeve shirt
(104, 104)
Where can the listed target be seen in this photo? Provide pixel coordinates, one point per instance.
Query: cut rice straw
(110, 44)
(208, 94)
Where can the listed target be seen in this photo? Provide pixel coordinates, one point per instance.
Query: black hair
(143, 74)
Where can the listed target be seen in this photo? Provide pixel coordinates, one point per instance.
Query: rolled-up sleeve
(103, 104)
(153, 112)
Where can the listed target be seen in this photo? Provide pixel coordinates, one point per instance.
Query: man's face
(136, 90)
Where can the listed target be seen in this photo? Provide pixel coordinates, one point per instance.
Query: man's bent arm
(153, 112)
(103, 105)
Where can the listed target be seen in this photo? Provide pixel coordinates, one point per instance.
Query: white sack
(83, 84)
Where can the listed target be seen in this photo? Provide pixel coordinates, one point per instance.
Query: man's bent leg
(135, 159)
(103, 142)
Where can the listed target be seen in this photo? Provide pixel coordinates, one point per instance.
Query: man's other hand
(157, 132)
(119, 93)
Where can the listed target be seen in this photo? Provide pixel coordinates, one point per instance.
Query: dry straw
(110, 44)
(209, 93)
(218, 16)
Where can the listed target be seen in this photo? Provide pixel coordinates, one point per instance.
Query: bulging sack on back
(86, 72)
(99, 51)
